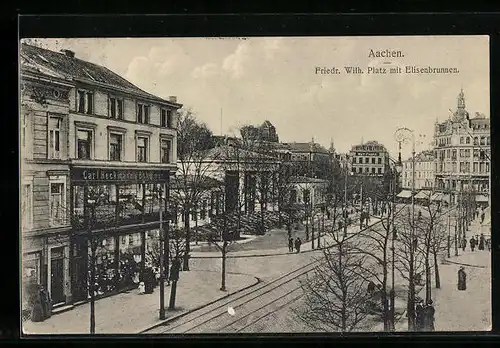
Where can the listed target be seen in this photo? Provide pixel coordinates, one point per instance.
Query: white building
(424, 171)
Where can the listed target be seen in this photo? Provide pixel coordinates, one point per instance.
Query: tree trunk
(387, 326)
(436, 271)
(427, 276)
(185, 265)
(312, 232)
(173, 291)
(223, 280)
(262, 220)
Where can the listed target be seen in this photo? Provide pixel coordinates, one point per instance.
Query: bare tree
(194, 139)
(375, 243)
(426, 226)
(410, 261)
(335, 291)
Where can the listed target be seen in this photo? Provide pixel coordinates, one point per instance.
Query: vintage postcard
(255, 185)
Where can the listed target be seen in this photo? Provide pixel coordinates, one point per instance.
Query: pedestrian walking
(488, 244)
(462, 279)
(464, 244)
(472, 243)
(429, 312)
(481, 242)
(298, 243)
(290, 244)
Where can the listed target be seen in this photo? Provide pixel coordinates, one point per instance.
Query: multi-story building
(96, 154)
(424, 171)
(462, 151)
(369, 159)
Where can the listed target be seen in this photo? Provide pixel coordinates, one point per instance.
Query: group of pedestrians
(424, 315)
(294, 243)
(478, 241)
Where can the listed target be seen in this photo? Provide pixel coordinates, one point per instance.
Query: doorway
(57, 276)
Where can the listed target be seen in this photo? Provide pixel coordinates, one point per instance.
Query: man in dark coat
(298, 242)
(472, 243)
(290, 244)
(429, 312)
(481, 242)
(419, 316)
(462, 279)
(464, 244)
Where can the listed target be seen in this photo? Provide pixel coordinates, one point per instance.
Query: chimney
(172, 99)
(68, 53)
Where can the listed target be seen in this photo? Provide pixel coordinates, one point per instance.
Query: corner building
(96, 152)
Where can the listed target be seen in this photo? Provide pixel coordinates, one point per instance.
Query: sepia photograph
(239, 185)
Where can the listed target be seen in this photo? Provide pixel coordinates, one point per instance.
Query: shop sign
(367, 154)
(118, 175)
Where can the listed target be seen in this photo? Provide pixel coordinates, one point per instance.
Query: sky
(249, 80)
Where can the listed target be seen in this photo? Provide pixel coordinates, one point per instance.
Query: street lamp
(403, 135)
(394, 183)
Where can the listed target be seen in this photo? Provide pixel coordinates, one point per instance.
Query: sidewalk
(468, 310)
(306, 247)
(131, 313)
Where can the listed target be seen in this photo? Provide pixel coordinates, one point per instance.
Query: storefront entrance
(57, 275)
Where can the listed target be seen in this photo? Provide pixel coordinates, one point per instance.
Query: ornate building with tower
(462, 152)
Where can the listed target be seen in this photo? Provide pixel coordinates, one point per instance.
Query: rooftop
(306, 147)
(67, 66)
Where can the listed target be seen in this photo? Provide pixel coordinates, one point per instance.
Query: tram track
(250, 305)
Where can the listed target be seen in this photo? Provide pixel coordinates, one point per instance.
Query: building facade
(96, 156)
(369, 159)
(462, 151)
(424, 171)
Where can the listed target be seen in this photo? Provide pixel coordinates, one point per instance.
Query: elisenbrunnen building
(96, 154)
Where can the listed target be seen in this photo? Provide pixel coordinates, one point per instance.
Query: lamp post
(403, 135)
(346, 169)
(395, 177)
(162, 260)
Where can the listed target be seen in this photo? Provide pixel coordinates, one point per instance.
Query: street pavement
(131, 313)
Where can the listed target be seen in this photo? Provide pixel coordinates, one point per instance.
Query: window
(467, 153)
(57, 204)
(166, 118)
(373, 170)
(461, 140)
(447, 153)
(367, 170)
(85, 102)
(481, 167)
(54, 137)
(475, 167)
(476, 141)
(115, 147)
(27, 207)
(379, 160)
(354, 160)
(142, 149)
(143, 113)
(487, 140)
(483, 141)
(487, 167)
(116, 108)
(367, 160)
(467, 140)
(165, 151)
(373, 160)
(84, 144)
(454, 154)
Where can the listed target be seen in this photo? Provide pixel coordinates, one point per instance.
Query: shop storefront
(118, 210)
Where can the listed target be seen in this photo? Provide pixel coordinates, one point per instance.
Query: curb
(175, 317)
(464, 264)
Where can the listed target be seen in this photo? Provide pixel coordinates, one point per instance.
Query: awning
(439, 196)
(481, 198)
(404, 194)
(423, 195)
